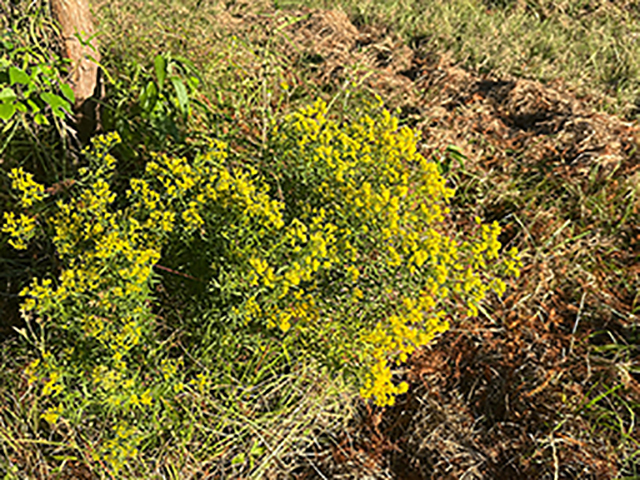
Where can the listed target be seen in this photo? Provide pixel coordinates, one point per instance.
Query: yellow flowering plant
(339, 246)
(380, 270)
(340, 243)
(94, 318)
(97, 344)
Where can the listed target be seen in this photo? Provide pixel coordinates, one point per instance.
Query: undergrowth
(591, 45)
(353, 231)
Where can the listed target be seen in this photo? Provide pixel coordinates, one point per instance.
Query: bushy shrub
(371, 246)
(35, 101)
(339, 245)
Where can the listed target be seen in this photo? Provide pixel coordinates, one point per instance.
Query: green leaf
(181, 92)
(9, 126)
(57, 103)
(8, 95)
(194, 82)
(67, 91)
(6, 111)
(150, 96)
(17, 75)
(50, 98)
(32, 87)
(238, 459)
(35, 108)
(160, 64)
(443, 163)
(185, 64)
(456, 154)
(40, 119)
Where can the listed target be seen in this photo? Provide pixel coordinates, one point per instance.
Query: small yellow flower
(146, 398)
(52, 414)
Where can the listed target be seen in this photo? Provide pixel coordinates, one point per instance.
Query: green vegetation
(264, 251)
(590, 44)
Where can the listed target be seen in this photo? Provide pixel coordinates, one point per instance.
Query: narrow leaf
(55, 101)
(67, 91)
(160, 64)
(456, 154)
(57, 104)
(35, 108)
(181, 92)
(152, 94)
(50, 99)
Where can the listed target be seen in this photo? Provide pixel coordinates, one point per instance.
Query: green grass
(590, 44)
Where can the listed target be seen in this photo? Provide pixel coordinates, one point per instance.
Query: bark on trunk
(74, 18)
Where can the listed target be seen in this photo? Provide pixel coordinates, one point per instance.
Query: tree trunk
(74, 18)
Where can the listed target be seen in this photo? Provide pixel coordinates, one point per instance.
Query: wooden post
(74, 18)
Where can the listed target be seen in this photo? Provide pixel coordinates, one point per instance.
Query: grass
(546, 384)
(591, 44)
(257, 423)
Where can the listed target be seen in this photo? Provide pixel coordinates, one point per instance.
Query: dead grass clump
(515, 114)
(337, 46)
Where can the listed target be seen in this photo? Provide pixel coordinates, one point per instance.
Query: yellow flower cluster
(108, 250)
(379, 385)
(52, 414)
(372, 207)
(188, 187)
(345, 242)
(20, 229)
(513, 263)
(30, 191)
(122, 445)
(102, 292)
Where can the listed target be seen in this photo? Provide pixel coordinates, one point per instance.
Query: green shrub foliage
(340, 246)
